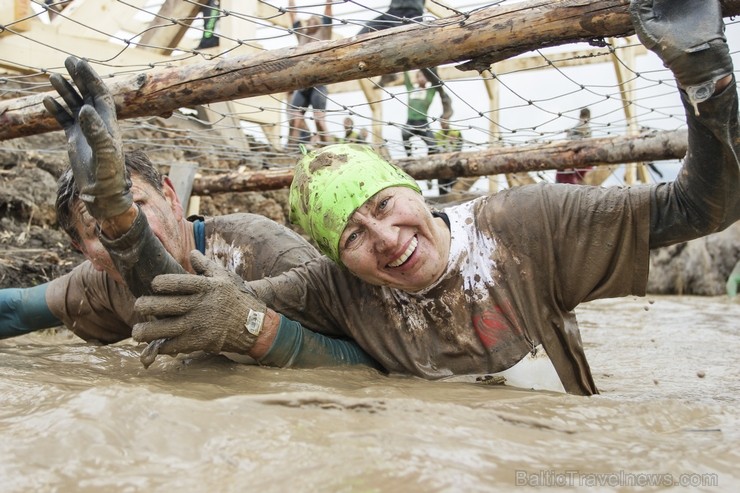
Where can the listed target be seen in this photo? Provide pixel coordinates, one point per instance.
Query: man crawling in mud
(94, 302)
(487, 287)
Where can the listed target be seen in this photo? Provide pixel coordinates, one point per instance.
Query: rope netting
(603, 88)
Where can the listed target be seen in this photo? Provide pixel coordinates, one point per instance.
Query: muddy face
(163, 212)
(393, 240)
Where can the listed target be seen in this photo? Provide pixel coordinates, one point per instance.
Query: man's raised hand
(93, 139)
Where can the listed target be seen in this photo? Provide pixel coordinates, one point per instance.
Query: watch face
(254, 322)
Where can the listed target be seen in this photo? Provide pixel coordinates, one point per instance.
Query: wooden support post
(626, 91)
(181, 175)
(372, 95)
(15, 16)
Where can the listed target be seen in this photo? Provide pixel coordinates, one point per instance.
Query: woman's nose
(384, 236)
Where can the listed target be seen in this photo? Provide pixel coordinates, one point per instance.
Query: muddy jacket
(95, 307)
(520, 262)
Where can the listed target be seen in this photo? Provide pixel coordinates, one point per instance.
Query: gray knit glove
(93, 139)
(688, 35)
(211, 312)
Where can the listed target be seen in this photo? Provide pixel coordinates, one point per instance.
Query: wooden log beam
(243, 181)
(506, 31)
(564, 154)
(553, 156)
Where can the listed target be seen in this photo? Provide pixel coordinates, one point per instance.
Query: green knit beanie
(331, 183)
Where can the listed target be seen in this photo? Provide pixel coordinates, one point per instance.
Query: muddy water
(75, 417)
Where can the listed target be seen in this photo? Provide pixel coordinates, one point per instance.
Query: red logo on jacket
(491, 326)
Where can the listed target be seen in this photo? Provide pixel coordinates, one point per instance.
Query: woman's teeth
(403, 258)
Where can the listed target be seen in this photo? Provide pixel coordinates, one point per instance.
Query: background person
(211, 12)
(398, 13)
(315, 28)
(350, 134)
(582, 130)
(419, 100)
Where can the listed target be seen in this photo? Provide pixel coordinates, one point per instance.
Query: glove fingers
(176, 336)
(165, 306)
(212, 268)
(187, 342)
(180, 284)
(96, 133)
(103, 163)
(67, 92)
(168, 348)
(72, 63)
(98, 93)
(159, 329)
(205, 266)
(59, 112)
(681, 25)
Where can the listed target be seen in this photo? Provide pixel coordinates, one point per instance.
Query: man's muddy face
(393, 240)
(163, 212)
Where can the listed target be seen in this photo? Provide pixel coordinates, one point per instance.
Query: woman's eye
(383, 203)
(352, 237)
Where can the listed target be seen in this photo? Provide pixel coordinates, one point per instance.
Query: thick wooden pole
(482, 37)
(557, 155)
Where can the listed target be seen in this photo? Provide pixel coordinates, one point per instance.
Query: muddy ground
(33, 250)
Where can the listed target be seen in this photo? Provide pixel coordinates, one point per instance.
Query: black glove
(93, 140)
(210, 312)
(688, 35)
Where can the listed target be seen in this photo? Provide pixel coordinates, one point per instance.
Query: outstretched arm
(96, 156)
(291, 13)
(94, 145)
(703, 199)
(216, 312)
(295, 346)
(689, 37)
(407, 81)
(24, 310)
(327, 21)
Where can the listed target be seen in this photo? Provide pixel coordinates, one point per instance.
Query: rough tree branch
(480, 37)
(556, 155)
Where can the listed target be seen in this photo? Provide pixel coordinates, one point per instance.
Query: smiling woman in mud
(370, 216)
(489, 286)
(411, 257)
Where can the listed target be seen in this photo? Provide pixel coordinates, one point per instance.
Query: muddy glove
(209, 312)
(688, 35)
(93, 140)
